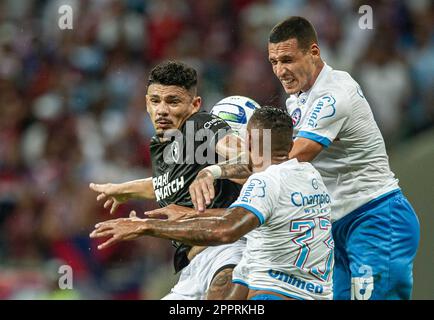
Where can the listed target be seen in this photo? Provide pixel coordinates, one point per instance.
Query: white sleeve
(259, 195)
(326, 119)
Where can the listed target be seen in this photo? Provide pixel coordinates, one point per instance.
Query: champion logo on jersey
(296, 117)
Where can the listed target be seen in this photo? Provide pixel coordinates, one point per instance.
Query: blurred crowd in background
(72, 111)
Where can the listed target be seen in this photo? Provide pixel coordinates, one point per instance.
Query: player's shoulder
(290, 174)
(293, 169)
(277, 171)
(269, 175)
(292, 165)
(342, 80)
(336, 83)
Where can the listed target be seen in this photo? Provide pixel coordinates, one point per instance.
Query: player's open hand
(111, 193)
(202, 190)
(118, 230)
(171, 212)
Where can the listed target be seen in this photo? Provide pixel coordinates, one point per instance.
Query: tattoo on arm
(235, 171)
(236, 166)
(220, 286)
(201, 231)
(207, 230)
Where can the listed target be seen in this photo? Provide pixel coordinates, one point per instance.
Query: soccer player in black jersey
(185, 142)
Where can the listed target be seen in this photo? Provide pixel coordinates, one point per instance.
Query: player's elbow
(228, 235)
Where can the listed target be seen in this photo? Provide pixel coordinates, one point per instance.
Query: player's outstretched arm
(201, 231)
(115, 194)
(175, 212)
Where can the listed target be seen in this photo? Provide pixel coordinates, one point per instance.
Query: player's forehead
(287, 48)
(163, 91)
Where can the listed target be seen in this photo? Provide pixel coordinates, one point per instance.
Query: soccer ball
(236, 111)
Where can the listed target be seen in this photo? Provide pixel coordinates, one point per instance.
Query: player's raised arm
(305, 150)
(236, 111)
(115, 194)
(202, 231)
(202, 189)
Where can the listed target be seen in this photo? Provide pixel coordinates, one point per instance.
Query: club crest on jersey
(296, 117)
(175, 151)
(315, 184)
(255, 188)
(302, 99)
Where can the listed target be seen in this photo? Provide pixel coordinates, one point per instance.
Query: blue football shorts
(375, 247)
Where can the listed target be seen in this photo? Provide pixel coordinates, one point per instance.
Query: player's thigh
(238, 292)
(221, 285)
(188, 287)
(341, 269)
(404, 245)
(222, 261)
(381, 245)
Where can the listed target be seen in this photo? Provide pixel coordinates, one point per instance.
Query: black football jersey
(176, 162)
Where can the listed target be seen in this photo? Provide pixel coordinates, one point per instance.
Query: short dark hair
(294, 28)
(173, 73)
(280, 123)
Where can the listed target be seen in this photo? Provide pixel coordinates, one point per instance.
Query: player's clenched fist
(202, 190)
(112, 193)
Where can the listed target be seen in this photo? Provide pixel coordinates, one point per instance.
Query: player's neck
(275, 159)
(318, 68)
(279, 159)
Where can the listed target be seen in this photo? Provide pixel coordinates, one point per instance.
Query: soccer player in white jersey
(375, 229)
(284, 208)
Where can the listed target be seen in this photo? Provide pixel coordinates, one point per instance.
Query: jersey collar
(300, 98)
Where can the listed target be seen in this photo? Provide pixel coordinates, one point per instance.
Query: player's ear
(147, 103)
(314, 50)
(197, 103)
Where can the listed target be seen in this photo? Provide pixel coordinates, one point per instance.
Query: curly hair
(278, 121)
(173, 73)
(268, 117)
